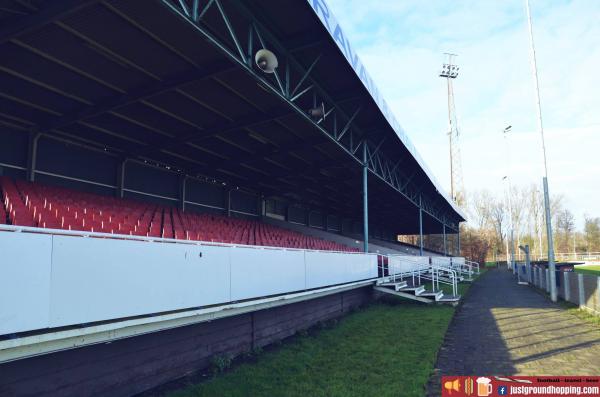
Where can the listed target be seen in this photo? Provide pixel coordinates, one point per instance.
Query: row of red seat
(36, 205)
(3, 215)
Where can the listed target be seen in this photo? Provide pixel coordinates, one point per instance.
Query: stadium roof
(173, 82)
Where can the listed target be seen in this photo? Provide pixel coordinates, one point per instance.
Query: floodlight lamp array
(449, 71)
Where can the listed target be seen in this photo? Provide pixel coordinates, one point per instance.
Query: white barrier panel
(405, 264)
(261, 272)
(441, 261)
(57, 280)
(325, 268)
(458, 261)
(97, 279)
(24, 281)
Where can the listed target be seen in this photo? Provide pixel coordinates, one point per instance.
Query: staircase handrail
(437, 269)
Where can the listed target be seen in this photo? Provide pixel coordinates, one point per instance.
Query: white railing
(578, 256)
(403, 266)
(473, 265)
(417, 268)
(567, 256)
(56, 278)
(439, 274)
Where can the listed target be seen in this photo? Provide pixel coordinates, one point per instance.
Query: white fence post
(581, 290)
(567, 286)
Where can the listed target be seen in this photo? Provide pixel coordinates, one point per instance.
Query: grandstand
(171, 193)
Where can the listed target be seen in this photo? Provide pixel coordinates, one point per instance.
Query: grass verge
(593, 270)
(580, 313)
(386, 349)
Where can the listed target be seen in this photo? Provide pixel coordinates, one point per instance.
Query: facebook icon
(502, 390)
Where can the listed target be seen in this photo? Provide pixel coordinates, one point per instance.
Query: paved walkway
(507, 329)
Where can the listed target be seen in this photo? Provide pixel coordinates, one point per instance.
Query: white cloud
(401, 44)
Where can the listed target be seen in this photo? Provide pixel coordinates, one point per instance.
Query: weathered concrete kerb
(507, 329)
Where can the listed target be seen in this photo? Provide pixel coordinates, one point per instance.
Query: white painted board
(97, 279)
(24, 281)
(404, 263)
(329, 268)
(258, 272)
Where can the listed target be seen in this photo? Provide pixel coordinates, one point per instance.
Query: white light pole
(551, 264)
(509, 203)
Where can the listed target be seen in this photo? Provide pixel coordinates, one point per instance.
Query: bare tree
(591, 232)
(565, 226)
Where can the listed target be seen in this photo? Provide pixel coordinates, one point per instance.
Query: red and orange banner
(484, 386)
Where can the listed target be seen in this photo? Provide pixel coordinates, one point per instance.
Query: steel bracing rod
(195, 7)
(368, 159)
(184, 7)
(287, 79)
(348, 124)
(306, 74)
(242, 62)
(378, 158)
(229, 28)
(298, 95)
(48, 13)
(327, 113)
(250, 54)
(377, 148)
(358, 145)
(409, 179)
(396, 165)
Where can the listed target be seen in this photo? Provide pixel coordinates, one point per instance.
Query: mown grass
(593, 270)
(386, 349)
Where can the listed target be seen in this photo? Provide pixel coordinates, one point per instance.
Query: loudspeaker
(266, 60)
(318, 112)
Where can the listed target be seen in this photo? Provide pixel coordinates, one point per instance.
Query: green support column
(420, 230)
(458, 238)
(445, 246)
(120, 192)
(32, 149)
(365, 200)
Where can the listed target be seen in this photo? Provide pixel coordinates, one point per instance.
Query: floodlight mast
(450, 72)
(551, 264)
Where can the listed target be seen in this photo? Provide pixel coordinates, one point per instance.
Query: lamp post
(551, 264)
(509, 202)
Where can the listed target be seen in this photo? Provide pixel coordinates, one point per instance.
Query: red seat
(33, 204)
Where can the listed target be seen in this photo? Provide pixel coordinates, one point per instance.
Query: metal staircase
(416, 279)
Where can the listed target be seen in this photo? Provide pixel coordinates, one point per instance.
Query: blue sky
(401, 43)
